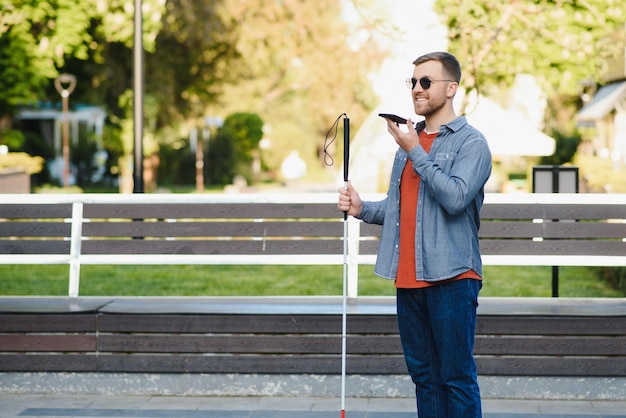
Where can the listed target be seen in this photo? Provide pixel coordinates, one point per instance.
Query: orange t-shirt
(409, 189)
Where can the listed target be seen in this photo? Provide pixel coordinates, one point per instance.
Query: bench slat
(268, 246)
(487, 365)
(249, 344)
(35, 211)
(214, 229)
(553, 247)
(266, 364)
(259, 344)
(549, 325)
(552, 211)
(35, 229)
(565, 230)
(13, 322)
(64, 343)
(213, 210)
(256, 344)
(544, 346)
(34, 247)
(48, 363)
(551, 366)
(258, 324)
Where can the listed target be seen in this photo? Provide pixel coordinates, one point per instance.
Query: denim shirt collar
(454, 125)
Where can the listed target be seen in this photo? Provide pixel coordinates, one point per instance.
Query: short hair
(449, 62)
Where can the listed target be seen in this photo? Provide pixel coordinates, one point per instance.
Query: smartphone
(395, 118)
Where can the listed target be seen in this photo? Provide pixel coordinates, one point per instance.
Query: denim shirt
(451, 194)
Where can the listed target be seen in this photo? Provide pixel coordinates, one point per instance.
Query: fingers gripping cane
(328, 160)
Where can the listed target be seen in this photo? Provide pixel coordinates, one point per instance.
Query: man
(429, 241)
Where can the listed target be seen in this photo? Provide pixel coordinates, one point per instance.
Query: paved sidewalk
(83, 406)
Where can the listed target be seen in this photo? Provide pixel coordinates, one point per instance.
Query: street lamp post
(196, 139)
(210, 122)
(138, 83)
(65, 85)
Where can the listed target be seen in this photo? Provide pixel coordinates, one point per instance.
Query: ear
(452, 88)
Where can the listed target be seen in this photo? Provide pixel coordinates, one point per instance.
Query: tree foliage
(565, 150)
(35, 39)
(288, 61)
(39, 39)
(22, 160)
(560, 42)
(297, 70)
(234, 146)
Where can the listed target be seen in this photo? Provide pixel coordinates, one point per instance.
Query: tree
(297, 71)
(560, 42)
(288, 62)
(35, 39)
(233, 149)
(186, 61)
(565, 149)
(38, 39)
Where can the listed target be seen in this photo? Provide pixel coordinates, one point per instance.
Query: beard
(430, 107)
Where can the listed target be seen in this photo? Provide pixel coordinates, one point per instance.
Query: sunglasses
(425, 82)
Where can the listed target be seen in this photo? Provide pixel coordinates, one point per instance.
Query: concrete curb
(272, 385)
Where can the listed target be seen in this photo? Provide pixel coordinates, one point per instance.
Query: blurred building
(47, 123)
(604, 113)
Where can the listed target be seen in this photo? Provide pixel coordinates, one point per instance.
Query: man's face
(428, 102)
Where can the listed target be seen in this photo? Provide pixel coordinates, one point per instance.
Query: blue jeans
(437, 326)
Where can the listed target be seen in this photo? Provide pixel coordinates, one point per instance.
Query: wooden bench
(528, 337)
(307, 229)
(300, 335)
(554, 230)
(169, 230)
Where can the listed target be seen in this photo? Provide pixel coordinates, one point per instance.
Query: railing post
(75, 241)
(354, 238)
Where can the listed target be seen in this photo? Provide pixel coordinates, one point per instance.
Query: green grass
(106, 280)
(526, 281)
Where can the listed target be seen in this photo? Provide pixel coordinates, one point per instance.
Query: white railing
(75, 259)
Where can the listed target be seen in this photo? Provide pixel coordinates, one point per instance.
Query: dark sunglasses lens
(424, 82)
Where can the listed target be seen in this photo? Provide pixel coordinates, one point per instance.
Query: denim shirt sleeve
(457, 167)
(373, 212)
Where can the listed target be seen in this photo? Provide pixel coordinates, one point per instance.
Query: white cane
(346, 159)
(328, 160)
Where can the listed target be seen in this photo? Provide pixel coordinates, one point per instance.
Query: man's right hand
(350, 201)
